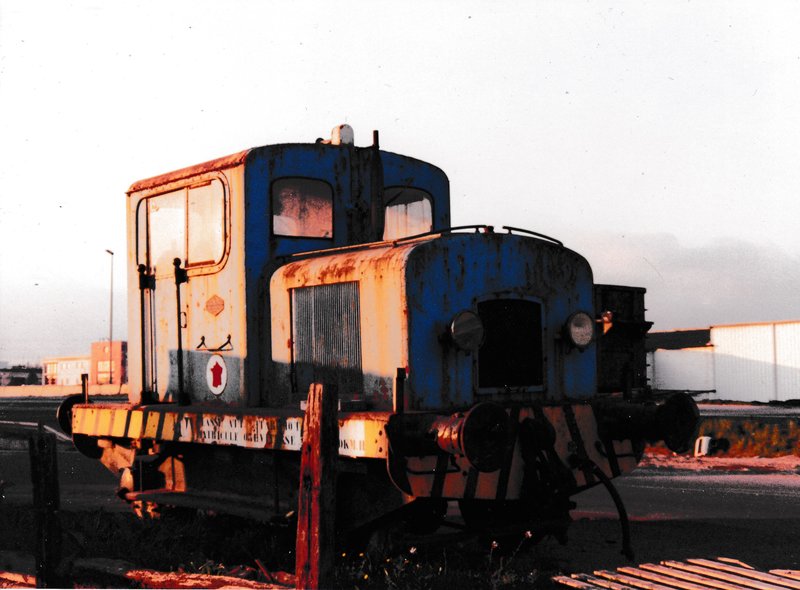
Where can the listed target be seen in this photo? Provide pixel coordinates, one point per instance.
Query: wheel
(64, 412)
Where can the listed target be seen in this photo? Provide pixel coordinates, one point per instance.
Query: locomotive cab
(204, 240)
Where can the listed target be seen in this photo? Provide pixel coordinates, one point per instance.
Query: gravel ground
(785, 464)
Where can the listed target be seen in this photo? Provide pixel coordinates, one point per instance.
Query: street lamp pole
(111, 323)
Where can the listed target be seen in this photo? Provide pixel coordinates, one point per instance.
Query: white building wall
(685, 369)
(787, 361)
(743, 362)
(69, 370)
(749, 363)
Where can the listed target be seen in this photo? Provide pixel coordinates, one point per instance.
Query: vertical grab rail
(180, 278)
(146, 282)
(377, 205)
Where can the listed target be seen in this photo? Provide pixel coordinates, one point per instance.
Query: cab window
(408, 212)
(188, 223)
(302, 208)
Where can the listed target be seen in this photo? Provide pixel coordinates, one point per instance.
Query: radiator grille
(326, 337)
(511, 354)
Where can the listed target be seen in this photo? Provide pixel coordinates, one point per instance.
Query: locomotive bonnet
(473, 365)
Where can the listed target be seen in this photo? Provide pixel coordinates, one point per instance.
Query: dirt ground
(783, 464)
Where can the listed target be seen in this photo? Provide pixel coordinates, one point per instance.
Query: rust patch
(342, 269)
(215, 305)
(210, 166)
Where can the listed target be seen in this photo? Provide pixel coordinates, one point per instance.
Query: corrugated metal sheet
(327, 328)
(693, 574)
(743, 362)
(327, 335)
(787, 361)
(757, 362)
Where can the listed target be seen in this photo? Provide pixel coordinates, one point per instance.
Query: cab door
(183, 242)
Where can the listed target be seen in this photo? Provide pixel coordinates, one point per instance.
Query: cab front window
(302, 208)
(408, 212)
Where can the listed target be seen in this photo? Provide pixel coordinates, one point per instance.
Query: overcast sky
(659, 139)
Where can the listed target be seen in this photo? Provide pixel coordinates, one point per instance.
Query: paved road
(26, 409)
(749, 411)
(650, 493)
(30, 410)
(83, 483)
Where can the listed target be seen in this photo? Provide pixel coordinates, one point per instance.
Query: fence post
(44, 475)
(316, 510)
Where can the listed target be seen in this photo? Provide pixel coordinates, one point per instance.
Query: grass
(228, 546)
(456, 567)
(751, 437)
(755, 438)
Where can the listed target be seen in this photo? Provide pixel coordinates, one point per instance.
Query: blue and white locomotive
(471, 365)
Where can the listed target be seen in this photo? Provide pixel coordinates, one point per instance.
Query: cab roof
(210, 166)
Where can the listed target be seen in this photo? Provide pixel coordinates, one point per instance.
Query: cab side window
(302, 208)
(409, 212)
(188, 223)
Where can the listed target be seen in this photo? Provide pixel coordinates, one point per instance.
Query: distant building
(743, 362)
(106, 363)
(20, 375)
(65, 370)
(109, 363)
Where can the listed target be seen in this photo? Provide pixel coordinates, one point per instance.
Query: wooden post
(44, 474)
(316, 510)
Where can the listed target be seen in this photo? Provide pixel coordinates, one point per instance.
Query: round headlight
(580, 329)
(466, 329)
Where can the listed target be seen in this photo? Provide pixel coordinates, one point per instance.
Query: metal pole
(111, 324)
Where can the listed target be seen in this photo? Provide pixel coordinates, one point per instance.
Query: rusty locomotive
(473, 366)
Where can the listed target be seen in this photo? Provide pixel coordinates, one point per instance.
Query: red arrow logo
(216, 375)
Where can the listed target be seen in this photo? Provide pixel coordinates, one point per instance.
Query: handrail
(147, 282)
(532, 233)
(381, 244)
(181, 277)
(487, 229)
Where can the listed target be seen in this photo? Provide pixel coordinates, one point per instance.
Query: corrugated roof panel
(746, 571)
(695, 574)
